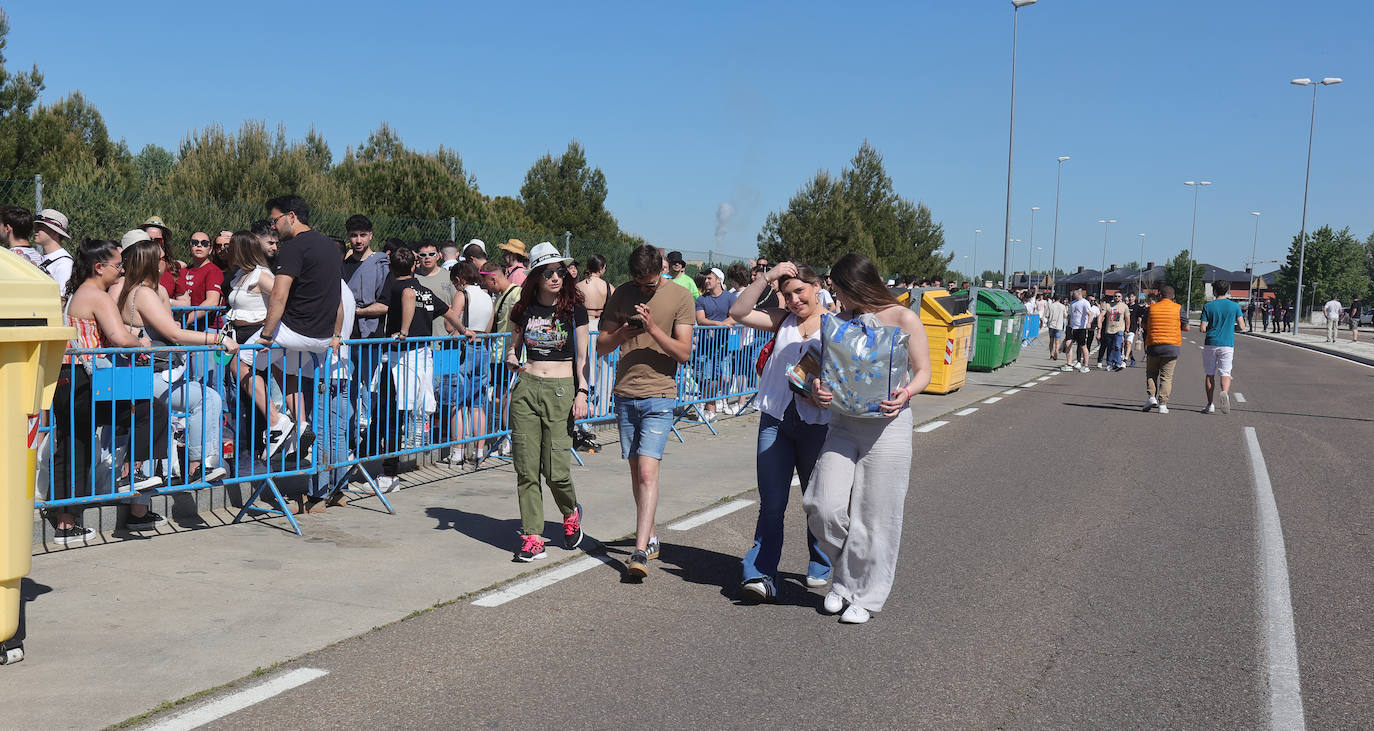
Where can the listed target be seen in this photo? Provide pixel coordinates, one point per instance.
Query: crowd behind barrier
(157, 421)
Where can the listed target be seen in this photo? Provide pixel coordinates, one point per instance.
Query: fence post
(37, 193)
(452, 228)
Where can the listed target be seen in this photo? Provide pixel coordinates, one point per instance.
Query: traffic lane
(1060, 601)
(1313, 421)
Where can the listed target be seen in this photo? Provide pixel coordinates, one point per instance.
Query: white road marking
(1240, 397)
(1031, 384)
(707, 516)
(1276, 611)
(1012, 391)
(234, 702)
(992, 400)
(967, 411)
(539, 581)
(1199, 347)
(1319, 352)
(1044, 378)
(931, 426)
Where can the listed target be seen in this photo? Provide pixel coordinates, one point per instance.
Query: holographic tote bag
(864, 361)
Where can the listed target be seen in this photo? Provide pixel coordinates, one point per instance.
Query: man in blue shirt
(710, 354)
(1221, 318)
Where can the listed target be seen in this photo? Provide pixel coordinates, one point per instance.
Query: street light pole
(1253, 244)
(1016, 6)
(1140, 273)
(1302, 233)
(1006, 278)
(1102, 273)
(1030, 246)
(1054, 248)
(976, 273)
(1192, 239)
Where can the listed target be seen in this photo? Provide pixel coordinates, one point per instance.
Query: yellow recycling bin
(949, 328)
(33, 338)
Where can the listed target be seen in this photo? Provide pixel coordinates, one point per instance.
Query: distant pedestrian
(1116, 318)
(1056, 313)
(1221, 318)
(1080, 320)
(1250, 308)
(1266, 312)
(1356, 312)
(1332, 311)
(857, 494)
(1163, 341)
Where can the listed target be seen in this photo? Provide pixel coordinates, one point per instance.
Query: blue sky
(687, 107)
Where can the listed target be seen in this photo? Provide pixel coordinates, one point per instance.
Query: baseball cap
(133, 237)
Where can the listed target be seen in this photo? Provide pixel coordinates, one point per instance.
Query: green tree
(918, 241)
(818, 226)
(1336, 266)
(1176, 275)
(18, 95)
(152, 165)
(506, 212)
(564, 194)
(989, 275)
(391, 180)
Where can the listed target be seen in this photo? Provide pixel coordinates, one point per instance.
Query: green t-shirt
(688, 283)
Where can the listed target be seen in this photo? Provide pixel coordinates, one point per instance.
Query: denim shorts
(644, 425)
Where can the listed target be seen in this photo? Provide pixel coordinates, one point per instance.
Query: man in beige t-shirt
(650, 320)
(1116, 320)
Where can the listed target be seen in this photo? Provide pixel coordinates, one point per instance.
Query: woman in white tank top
(791, 427)
(251, 287)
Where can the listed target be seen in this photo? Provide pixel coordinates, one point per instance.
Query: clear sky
(689, 106)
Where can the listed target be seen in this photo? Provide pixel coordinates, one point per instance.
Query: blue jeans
(1114, 349)
(335, 411)
(204, 412)
(644, 425)
(784, 446)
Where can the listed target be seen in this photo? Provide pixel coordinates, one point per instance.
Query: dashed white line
(1240, 397)
(931, 426)
(1276, 611)
(514, 591)
(707, 516)
(967, 411)
(235, 702)
(1030, 384)
(1043, 378)
(1012, 391)
(992, 400)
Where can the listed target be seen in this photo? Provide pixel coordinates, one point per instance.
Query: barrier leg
(372, 484)
(269, 484)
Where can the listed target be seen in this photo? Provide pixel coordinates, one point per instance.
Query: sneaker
(855, 614)
(760, 589)
(147, 521)
(1224, 399)
(277, 437)
(833, 603)
(455, 458)
(572, 529)
(388, 483)
(816, 581)
(531, 548)
(1209, 409)
(652, 551)
(307, 441)
(709, 416)
(1150, 404)
(1066, 367)
(1082, 368)
(1163, 409)
(75, 534)
(1101, 366)
(638, 565)
(1115, 369)
(144, 484)
(208, 474)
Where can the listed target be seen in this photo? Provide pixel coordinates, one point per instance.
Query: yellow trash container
(33, 337)
(949, 328)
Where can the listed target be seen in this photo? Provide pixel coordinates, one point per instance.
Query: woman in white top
(470, 390)
(249, 291)
(791, 427)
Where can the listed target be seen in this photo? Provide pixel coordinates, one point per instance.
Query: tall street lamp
(1016, 6)
(1140, 272)
(1031, 244)
(1039, 250)
(1253, 244)
(1311, 129)
(1102, 273)
(1192, 239)
(1006, 277)
(976, 273)
(1054, 248)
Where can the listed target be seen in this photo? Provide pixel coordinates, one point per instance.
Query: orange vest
(1162, 325)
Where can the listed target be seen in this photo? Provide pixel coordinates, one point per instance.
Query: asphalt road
(1067, 561)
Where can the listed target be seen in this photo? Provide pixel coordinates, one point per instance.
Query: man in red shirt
(201, 283)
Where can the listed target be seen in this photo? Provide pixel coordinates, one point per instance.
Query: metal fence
(130, 423)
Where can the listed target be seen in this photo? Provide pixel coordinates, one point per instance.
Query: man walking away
(1332, 311)
(1056, 313)
(650, 320)
(1080, 318)
(1221, 318)
(1356, 312)
(1163, 339)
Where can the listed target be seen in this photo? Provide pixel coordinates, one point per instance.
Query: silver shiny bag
(864, 362)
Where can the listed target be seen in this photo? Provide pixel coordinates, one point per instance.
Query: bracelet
(584, 392)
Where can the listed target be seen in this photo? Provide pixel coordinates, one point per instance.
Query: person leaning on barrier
(549, 324)
(95, 316)
(470, 385)
(249, 292)
(713, 368)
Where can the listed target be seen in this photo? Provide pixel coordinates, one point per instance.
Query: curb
(1315, 348)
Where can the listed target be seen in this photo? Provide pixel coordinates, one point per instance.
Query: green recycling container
(1016, 311)
(989, 333)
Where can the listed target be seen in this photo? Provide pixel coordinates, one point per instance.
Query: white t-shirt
(824, 298)
(58, 265)
(1094, 312)
(1332, 309)
(1080, 315)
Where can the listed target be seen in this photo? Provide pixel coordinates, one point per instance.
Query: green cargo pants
(540, 444)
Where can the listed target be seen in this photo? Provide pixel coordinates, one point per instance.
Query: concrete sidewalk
(116, 628)
(1314, 338)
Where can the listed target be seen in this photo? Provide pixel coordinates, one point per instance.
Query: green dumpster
(1016, 310)
(989, 333)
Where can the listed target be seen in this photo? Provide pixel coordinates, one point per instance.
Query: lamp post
(1006, 276)
(1102, 273)
(976, 273)
(1030, 245)
(1192, 239)
(1140, 273)
(1054, 248)
(1038, 285)
(1250, 295)
(1016, 6)
(1302, 232)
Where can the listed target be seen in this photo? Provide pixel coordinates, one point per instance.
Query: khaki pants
(1159, 376)
(539, 412)
(1331, 328)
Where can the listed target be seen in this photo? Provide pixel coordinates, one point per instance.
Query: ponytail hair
(88, 254)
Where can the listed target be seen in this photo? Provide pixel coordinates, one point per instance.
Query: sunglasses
(200, 242)
(427, 254)
(562, 273)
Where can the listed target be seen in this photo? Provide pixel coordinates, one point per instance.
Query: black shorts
(1078, 335)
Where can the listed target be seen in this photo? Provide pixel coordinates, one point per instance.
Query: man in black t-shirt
(303, 314)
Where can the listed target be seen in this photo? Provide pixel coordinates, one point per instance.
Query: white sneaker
(833, 603)
(1101, 366)
(855, 614)
(277, 437)
(1163, 409)
(387, 483)
(1082, 368)
(1224, 399)
(816, 581)
(1209, 409)
(1066, 367)
(1153, 402)
(708, 416)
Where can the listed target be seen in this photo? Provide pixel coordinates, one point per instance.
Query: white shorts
(295, 353)
(1216, 360)
(1130, 337)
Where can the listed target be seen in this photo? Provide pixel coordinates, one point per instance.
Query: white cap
(133, 237)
